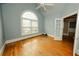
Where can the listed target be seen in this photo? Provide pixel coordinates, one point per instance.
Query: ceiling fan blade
(49, 4)
(44, 8)
(38, 7)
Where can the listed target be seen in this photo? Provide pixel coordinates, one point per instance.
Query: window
(29, 23)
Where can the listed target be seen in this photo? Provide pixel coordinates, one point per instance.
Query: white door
(58, 28)
(76, 41)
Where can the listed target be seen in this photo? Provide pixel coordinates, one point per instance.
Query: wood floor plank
(39, 46)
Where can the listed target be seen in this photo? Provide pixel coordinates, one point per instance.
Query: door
(76, 43)
(58, 28)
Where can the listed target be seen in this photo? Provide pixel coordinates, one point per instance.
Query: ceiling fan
(44, 6)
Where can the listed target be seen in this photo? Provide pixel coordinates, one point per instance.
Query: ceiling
(57, 8)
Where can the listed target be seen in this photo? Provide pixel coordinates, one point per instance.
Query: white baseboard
(51, 35)
(18, 39)
(2, 49)
(54, 37)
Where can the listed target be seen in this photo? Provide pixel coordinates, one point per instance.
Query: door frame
(70, 14)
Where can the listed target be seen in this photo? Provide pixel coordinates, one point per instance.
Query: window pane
(34, 28)
(26, 31)
(26, 23)
(34, 31)
(34, 23)
(29, 15)
(26, 28)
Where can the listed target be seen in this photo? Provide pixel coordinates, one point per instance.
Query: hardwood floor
(0, 55)
(39, 46)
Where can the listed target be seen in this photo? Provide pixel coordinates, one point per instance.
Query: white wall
(56, 12)
(70, 8)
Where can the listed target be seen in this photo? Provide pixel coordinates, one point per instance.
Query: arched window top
(29, 15)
